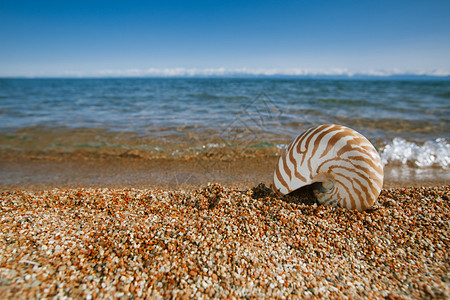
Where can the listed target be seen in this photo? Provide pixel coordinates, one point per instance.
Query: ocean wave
(434, 153)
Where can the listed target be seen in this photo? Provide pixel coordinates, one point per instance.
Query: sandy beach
(100, 228)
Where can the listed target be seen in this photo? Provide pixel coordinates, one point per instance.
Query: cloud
(195, 72)
(198, 72)
(236, 72)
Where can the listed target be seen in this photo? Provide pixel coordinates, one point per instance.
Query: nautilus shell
(342, 166)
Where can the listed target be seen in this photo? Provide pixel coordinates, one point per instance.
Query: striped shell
(343, 165)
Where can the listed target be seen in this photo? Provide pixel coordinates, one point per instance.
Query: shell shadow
(302, 195)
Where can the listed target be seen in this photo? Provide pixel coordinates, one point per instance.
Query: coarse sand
(217, 241)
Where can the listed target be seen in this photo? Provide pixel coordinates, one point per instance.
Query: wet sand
(131, 171)
(43, 158)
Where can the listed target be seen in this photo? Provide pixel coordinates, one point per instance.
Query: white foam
(431, 154)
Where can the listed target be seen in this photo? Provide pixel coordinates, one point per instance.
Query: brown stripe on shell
(280, 179)
(333, 140)
(338, 182)
(348, 190)
(364, 175)
(317, 142)
(366, 192)
(370, 162)
(286, 168)
(308, 137)
(365, 170)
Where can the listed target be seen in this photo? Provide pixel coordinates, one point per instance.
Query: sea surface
(407, 120)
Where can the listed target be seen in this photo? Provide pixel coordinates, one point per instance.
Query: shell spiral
(343, 165)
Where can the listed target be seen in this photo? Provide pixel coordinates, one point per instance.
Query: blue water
(416, 111)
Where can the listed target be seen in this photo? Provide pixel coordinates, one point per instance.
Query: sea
(408, 121)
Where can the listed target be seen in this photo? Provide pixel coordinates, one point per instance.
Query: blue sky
(142, 38)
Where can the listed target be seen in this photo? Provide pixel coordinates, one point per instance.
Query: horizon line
(236, 73)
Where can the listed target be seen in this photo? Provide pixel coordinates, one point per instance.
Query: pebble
(221, 242)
